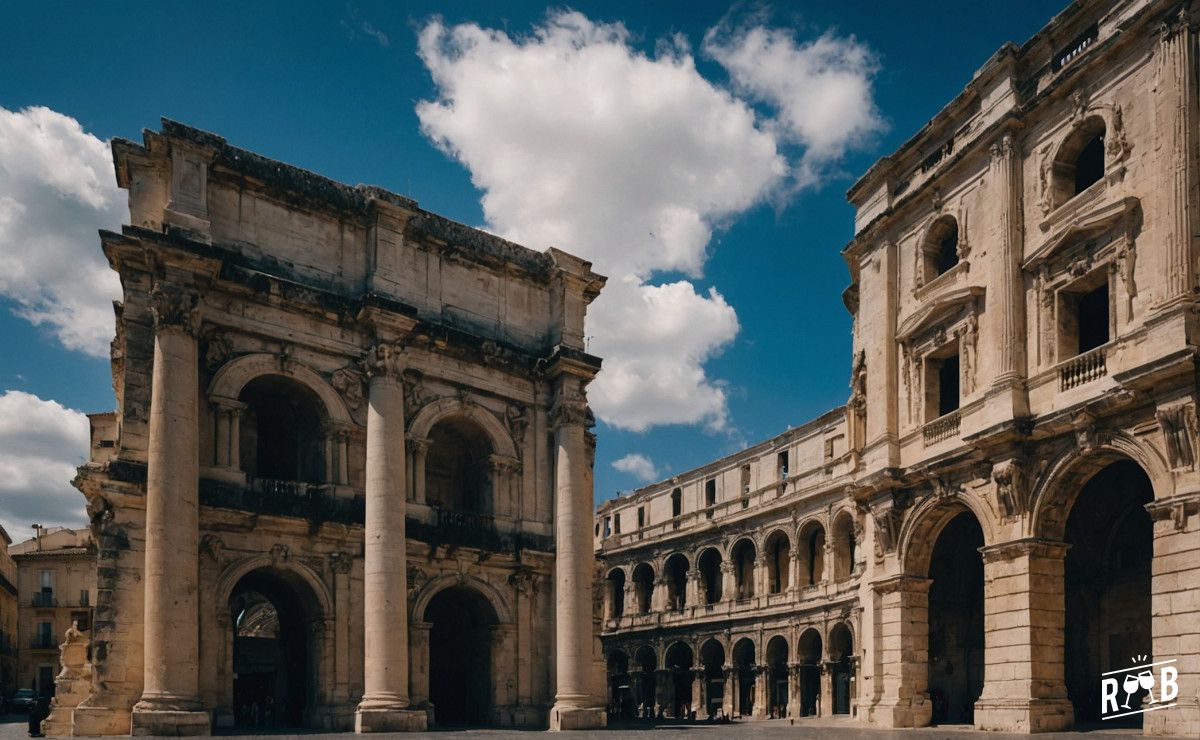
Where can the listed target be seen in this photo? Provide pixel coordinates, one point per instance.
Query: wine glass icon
(1130, 684)
(1146, 681)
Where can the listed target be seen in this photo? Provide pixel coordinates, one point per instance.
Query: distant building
(8, 618)
(56, 583)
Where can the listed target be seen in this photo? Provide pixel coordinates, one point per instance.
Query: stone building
(56, 586)
(8, 618)
(348, 482)
(1008, 507)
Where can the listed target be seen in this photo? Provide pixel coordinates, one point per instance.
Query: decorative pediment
(1092, 220)
(942, 307)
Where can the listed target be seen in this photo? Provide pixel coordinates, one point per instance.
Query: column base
(916, 712)
(1182, 720)
(563, 717)
(171, 722)
(1024, 715)
(390, 720)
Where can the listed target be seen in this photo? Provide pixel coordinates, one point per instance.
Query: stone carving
(570, 408)
(516, 418)
(1125, 263)
(218, 351)
(1045, 178)
(414, 391)
(416, 579)
(1079, 105)
(967, 334)
(888, 514)
(212, 546)
(175, 307)
(1002, 149)
(72, 685)
(858, 382)
(340, 562)
(1179, 431)
(349, 383)
(942, 488)
(385, 359)
(1086, 433)
(1011, 493)
(1116, 146)
(280, 553)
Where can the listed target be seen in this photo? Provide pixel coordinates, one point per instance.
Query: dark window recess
(641, 517)
(710, 493)
(1093, 319)
(948, 385)
(676, 502)
(1089, 167)
(947, 254)
(938, 154)
(1076, 47)
(781, 462)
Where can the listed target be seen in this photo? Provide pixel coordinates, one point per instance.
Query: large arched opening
(1079, 162)
(743, 673)
(458, 471)
(643, 587)
(1107, 583)
(812, 554)
(274, 649)
(810, 672)
(743, 556)
(777, 676)
(616, 593)
(956, 643)
(678, 662)
(841, 657)
(644, 685)
(676, 571)
(620, 695)
(280, 436)
(712, 661)
(843, 547)
(462, 626)
(779, 555)
(710, 574)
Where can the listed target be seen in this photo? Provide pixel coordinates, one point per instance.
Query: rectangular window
(942, 383)
(710, 492)
(676, 502)
(641, 517)
(781, 461)
(83, 597)
(617, 523)
(47, 580)
(746, 479)
(1084, 316)
(607, 526)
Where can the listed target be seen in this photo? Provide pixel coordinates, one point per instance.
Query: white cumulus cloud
(637, 465)
(41, 444)
(56, 190)
(580, 140)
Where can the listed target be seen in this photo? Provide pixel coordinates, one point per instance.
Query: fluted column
(385, 700)
(170, 702)
(1010, 341)
(1177, 107)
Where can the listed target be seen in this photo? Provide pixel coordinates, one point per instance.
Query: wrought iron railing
(943, 427)
(1082, 368)
(311, 501)
(44, 599)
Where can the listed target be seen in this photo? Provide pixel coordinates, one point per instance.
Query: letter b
(1168, 685)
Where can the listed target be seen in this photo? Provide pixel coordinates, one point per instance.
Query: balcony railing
(315, 502)
(44, 599)
(1083, 368)
(943, 427)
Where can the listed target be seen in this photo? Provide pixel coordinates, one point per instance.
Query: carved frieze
(1178, 424)
(348, 381)
(1012, 496)
(340, 562)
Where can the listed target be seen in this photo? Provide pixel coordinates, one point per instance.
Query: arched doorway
(743, 556)
(273, 673)
(841, 656)
(280, 431)
(458, 474)
(643, 587)
(462, 623)
(743, 670)
(677, 568)
(1107, 584)
(955, 673)
(644, 687)
(812, 554)
(620, 695)
(779, 555)
(710, 574)
(810, 673)
(712, 658)
(777, 676)
(679, 662)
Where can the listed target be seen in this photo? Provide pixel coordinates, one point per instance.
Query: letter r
(1108, 693)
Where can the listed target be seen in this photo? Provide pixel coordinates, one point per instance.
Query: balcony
(44, 599)
(941, 428)
(43, 642)
(311, 501)
(1083, 368)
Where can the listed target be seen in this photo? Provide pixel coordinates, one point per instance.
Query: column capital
(175, 307)
(419, 445)
(227, 405)
(1034, 546)
(902, 582)
(383, 360)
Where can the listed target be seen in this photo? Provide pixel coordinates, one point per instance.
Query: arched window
(743, 557)
(643, 586)
(940, 249)
(457, 468)
(1079, 163)
(280, 437)
(778, 562)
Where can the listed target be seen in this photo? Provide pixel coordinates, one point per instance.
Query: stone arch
(939, 246)
(235, 571)
(845, 544)
(233, 376)
(420, 602)
(811, 541)
(778, 549)
(1054, 493)
(921, 528)
(743, 555)
(430, 414)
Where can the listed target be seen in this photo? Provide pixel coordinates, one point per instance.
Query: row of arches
(745, 572)
(287, 428)
(1106, 585)
(739, 682)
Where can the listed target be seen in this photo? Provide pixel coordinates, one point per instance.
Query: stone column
(698, 700)
(1176, 107)
(793, 690)
(341, 563)
(695, 591)
(727, 698)
(760, 577)
(343, 456)
(659, 597)
(825, 700)
(420, 450)
(728, 582)
(630, 608)
(235, 437)
(385, 703)
(1010, 341)
(221, 426)
(170, 702)
(794, 574)
(574, 704)
(1023, 687)
(418, 670)
(759, 710)
(902, 648)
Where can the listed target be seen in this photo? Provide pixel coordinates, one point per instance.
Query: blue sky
(334, 87)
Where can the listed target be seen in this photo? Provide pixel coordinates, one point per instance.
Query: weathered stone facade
(1019, 479)
(348, 482)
